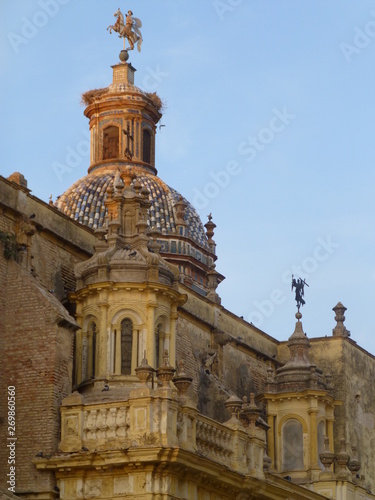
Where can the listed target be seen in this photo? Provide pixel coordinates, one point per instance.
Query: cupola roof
(84, 202)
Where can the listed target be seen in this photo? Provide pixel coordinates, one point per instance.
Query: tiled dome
(84, 202)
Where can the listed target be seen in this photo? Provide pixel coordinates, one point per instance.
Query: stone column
(330, 419)
(150, 339)
(271, 441)
(78, 347)
(313, 437)
(88, 336)
(102, 342)
(117, 339)
(172, 336)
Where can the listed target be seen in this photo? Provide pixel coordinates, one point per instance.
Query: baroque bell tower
(127, 294)
(122, 123)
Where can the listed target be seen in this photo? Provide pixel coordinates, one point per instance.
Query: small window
(110, 143)
(146, 146)
(292, 446)
(126, 346)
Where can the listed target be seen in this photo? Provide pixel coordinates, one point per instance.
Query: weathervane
(299, 285)
(128, 30)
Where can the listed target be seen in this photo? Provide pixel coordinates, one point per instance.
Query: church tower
(123, 123)
(127, 295)
(300, 410)
(128, 431)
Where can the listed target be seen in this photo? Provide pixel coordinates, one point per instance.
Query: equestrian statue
(127, 30)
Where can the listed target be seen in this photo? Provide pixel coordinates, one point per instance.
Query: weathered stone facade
(132, 380)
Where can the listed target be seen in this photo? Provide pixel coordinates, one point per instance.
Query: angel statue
(129, 29)
(299, 285)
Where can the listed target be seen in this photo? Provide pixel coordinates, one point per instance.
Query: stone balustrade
(213, 440)
(93, 427)
(104, 424)
(157, 418)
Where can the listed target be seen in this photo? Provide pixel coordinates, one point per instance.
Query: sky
(269, 125)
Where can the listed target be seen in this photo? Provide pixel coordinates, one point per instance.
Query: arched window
(126, 346)
(146, 146)
(292, 446)
(110, 142)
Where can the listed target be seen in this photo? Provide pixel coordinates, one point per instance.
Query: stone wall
(224, 354)
(353, 374)
(36, 330)
(359, 406)
(37, 361)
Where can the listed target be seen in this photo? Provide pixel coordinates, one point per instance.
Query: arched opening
(126, 346)
(110, 142)
(146, 156)
(157, 346)
(292, 446)
(89, 353)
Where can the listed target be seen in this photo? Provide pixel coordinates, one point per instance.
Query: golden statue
(128, 30)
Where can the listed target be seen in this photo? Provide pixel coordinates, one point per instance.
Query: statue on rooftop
(299, 285)
(128, 30)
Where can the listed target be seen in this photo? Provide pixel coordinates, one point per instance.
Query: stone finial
(326, 457)
(313, 377)
(299, 344)
(165, 371)
(233, 405)
(213, 281)
(180, 210)
(340, 329)
(118, 183)
(354, 464)
(342, 459)
(144, 371)
(267, 462)
(250, 410)
(182, 381)
(210, 226)
(153, 245)
(270, 381)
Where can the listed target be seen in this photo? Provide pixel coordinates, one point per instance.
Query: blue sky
(269, 125)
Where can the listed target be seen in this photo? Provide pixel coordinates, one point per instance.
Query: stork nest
(90, 96)
(156, 101)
